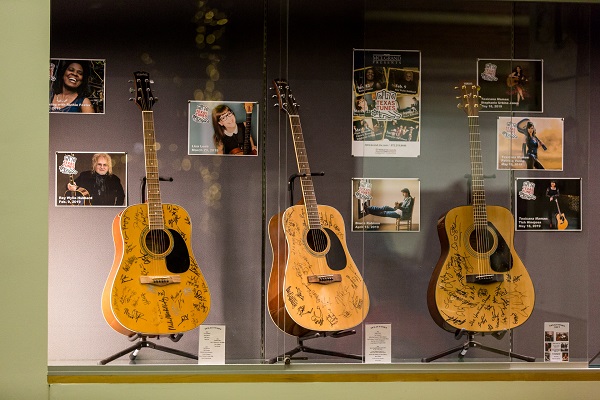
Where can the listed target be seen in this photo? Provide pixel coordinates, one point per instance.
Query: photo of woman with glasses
(230, 134)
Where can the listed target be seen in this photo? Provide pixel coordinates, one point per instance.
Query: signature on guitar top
(314, 283)
(479, 283)
(155, 286)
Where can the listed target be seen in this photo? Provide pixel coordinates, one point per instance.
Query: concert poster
(386, 97)
(509, 85)
(94, 179)
(548, 204)
(229, 120)
(76, 86)
(386, 205)
(530, 143)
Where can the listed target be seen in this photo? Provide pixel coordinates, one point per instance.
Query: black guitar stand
(593, 358)
(292, 179)
(143, 339)
(288, 356)
(462, 349)
(143, 342)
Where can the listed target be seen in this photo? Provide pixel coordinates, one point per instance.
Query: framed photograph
(511, 85)
(386, 204)
(548, 204)
(95, 179)
(77, 86)
(530, 143)
(223, 128)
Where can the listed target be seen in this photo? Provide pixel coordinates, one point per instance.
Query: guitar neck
(308, 191)
(247, 133)
(477, 185)
(155, 213)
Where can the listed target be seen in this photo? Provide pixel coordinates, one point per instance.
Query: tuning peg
(276, 105)
(131, 90)
(151, 81)
(131, 99)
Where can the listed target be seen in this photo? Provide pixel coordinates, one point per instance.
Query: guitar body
(561, 221)
(240, 152)
(512, 81)
(459, 296)
(314, 283)
(155, 286)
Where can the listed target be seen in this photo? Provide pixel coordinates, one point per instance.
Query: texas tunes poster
(386, 94)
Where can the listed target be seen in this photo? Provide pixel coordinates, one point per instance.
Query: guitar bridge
(485, 279)
(325, 279)
(160, 280)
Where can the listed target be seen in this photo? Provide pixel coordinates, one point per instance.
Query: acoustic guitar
(561, 220)
(479, 283)
(246, 148)
(155, 286)
(314, 284)
(79, 196)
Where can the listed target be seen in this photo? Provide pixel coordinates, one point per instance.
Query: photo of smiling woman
(76, 86)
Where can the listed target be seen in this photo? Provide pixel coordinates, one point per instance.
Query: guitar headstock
(469, 98)
(143, 93)
(284, 95)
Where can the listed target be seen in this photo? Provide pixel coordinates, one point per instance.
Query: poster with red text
(386, 97)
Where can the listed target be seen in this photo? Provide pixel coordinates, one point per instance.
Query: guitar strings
(479, 205)
(154, 206)
(318, 239)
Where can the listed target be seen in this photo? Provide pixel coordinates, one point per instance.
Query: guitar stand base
(143, 342)
(462, 349)
(593, 358)
(288, 356)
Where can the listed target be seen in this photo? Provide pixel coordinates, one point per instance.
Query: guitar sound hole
(317, 240)
(481, 241)
(158, 241)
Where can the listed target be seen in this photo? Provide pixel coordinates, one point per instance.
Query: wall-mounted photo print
(91, 179)
(77, 86)
(386, 96)
(223, 128)
(530, 143)
(386, 205)
(548, 204)
(510, 85)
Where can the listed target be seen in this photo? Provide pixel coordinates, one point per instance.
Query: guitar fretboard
(478, 193)
(247, 133)
(308, 191)
(155, 213)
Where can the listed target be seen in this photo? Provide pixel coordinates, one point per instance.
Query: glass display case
(442, 217)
